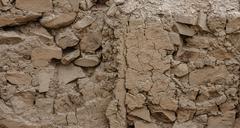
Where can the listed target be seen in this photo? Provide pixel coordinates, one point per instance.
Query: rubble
(55, 21)
(66, 39)
(87, 61)
(18, 78)
(42, 56)
(31, 5)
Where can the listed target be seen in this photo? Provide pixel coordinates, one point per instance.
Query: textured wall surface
(119, 63)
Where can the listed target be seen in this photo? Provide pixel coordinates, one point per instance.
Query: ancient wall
(119, 63)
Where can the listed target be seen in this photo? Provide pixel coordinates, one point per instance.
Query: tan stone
(69, 57)
(186, 19)
(74, 4)
(200, 41)
(18, 78)
(71, 118)
(142, 113)
(69, 73)
(45, 105)
(22, 102)
(44, 78)
(55, 21)
(13, 123)
(13, 20)
(35, 6)
(221, 54)
(188, 124)
(181, 70)
(184, 29)
(163, 115)
(202, 76)
(91, 42)
(233, 25)
(119, 2)
(66, 39)
(168, 103)
(10, 37)
(87, 61)
(42, 56)
(225, 121)
(202, 21)
(141, 124)
(84, 22)
(135, 101)
(175, 38)
(237, 123)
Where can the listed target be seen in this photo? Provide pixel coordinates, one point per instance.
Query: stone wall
(119, 63)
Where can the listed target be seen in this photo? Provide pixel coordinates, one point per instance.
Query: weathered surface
(31, 5)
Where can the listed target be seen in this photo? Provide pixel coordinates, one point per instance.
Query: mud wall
(119, 63)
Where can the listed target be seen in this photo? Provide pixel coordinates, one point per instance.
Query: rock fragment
(13, 20)
(10, 37)
(69, 57)
(184, 29)
(69, 73)
(18, 78)
(66, 39)
(42, 56)
(91, 42)
(200, 41)
(184, 19)
(55, 21)
(35, 6)
(87, 61)
(135, 101)
(181, 70)
(141, 124)
(84, 22)
(142, 113)
(44, 78)
(208, 74)
(202, 22)
(175, 38)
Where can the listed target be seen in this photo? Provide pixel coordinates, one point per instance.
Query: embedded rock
(87, 61)
(35, 6)
(18, 78)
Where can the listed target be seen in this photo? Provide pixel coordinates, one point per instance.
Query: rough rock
(91, 42)
(175, 38)
(18, 78)
(69, 73)
(87, 61)
(55, 21)
(202, 76)
(45, 105)
(233, 24)
(66, 39)
(184, 19)
(200, 41)
(44, 78)
(84, 22)
(135, 101)
(181, 70)
(18, 19)
(202, 21)
(42, 56)
(142, 113)
(184, 29)
(31, 5)
(22, 102)
(224, 121)
(141, 124)
(69, 57)
(10, 37)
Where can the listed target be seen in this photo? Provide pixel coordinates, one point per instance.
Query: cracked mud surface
(119, 64)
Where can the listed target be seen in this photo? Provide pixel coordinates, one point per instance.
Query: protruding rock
(42, 56)
(69, 73)
(135, 101)
(13, 20)
(69, 57)
(84, 22)
(18, 78)
(142, 113)
(66, 39)
(207, 74)
(55, 21)
(87, 61)
(186, 19)
(44, 78)
(35, 6)
(181, 70)
(91, 42)
(202, 21)
(142, 124)
(10, 37)
(175, 38)
(184, 29)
